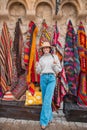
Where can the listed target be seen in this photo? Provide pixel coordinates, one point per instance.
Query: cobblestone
(59, 123)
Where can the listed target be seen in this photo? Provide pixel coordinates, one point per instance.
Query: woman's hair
(41, 51)
(49, 52)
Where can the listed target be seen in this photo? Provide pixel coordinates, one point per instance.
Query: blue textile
(47, 83)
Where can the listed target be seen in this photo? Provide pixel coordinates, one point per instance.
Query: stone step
(18, 110)
(75, 113)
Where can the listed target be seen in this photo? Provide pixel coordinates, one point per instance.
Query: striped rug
(5, 58)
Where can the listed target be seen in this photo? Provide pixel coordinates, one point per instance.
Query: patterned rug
(71, 60)
(82, 89)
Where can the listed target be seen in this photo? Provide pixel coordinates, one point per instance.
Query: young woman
(47, 67)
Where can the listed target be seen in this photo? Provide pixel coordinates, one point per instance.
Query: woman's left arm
(56, 64)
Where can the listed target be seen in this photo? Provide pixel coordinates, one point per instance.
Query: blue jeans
(47, 83)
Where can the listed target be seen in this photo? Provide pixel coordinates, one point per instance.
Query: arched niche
(69, 11)
(49, 2)
(17, 9)
(76, 3)
(43, 11)
(10, 2)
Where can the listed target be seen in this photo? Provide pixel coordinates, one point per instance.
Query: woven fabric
(61, 86)
(34, 76)
(32, 53)
(56, 36)
(27, 47)
(1, 93)
(18, 84)
(5, 58)
(82, 89)
(83, 59)
(8, 96)
(71, 60)
(32, 57)
(3, 80)
(17, 49)
(82, 36)
(20, 87)
(45, 33)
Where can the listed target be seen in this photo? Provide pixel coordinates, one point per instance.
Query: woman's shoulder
(41, 57)
(54, 55)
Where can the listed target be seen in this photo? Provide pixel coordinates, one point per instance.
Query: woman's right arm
(38, 67)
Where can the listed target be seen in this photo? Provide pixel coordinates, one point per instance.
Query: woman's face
(46, 50)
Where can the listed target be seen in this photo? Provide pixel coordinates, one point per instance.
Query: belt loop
(48, 73)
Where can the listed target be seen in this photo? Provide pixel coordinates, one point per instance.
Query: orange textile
(31, 57)
(32, 54)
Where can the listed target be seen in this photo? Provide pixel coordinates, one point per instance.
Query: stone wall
(37, 10)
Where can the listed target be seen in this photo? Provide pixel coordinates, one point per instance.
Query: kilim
(82, 36)
(56, 36)
(18, 86)
(17, 49)
(76, 61)
(61, 86)
(8, 96)
(31, 57)
(35, 78)
(82, 89)
(71, 60)
(1, 93)
(45, 33)
(27, 44)
(5, 58)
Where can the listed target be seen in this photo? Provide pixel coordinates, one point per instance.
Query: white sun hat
(45, 44)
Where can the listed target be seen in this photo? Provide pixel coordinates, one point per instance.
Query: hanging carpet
(82, 89)
(18, 86)
(31, 56)
(61, 86)
(71, 60)
(5, 58)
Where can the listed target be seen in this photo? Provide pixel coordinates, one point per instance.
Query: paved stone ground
(59, 123)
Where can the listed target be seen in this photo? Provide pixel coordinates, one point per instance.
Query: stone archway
(10, 2)
(43, 11)
(69, 11)
(17, 10)
(75, 3)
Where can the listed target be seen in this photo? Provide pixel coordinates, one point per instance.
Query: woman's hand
(37, 64)
(54, 62)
